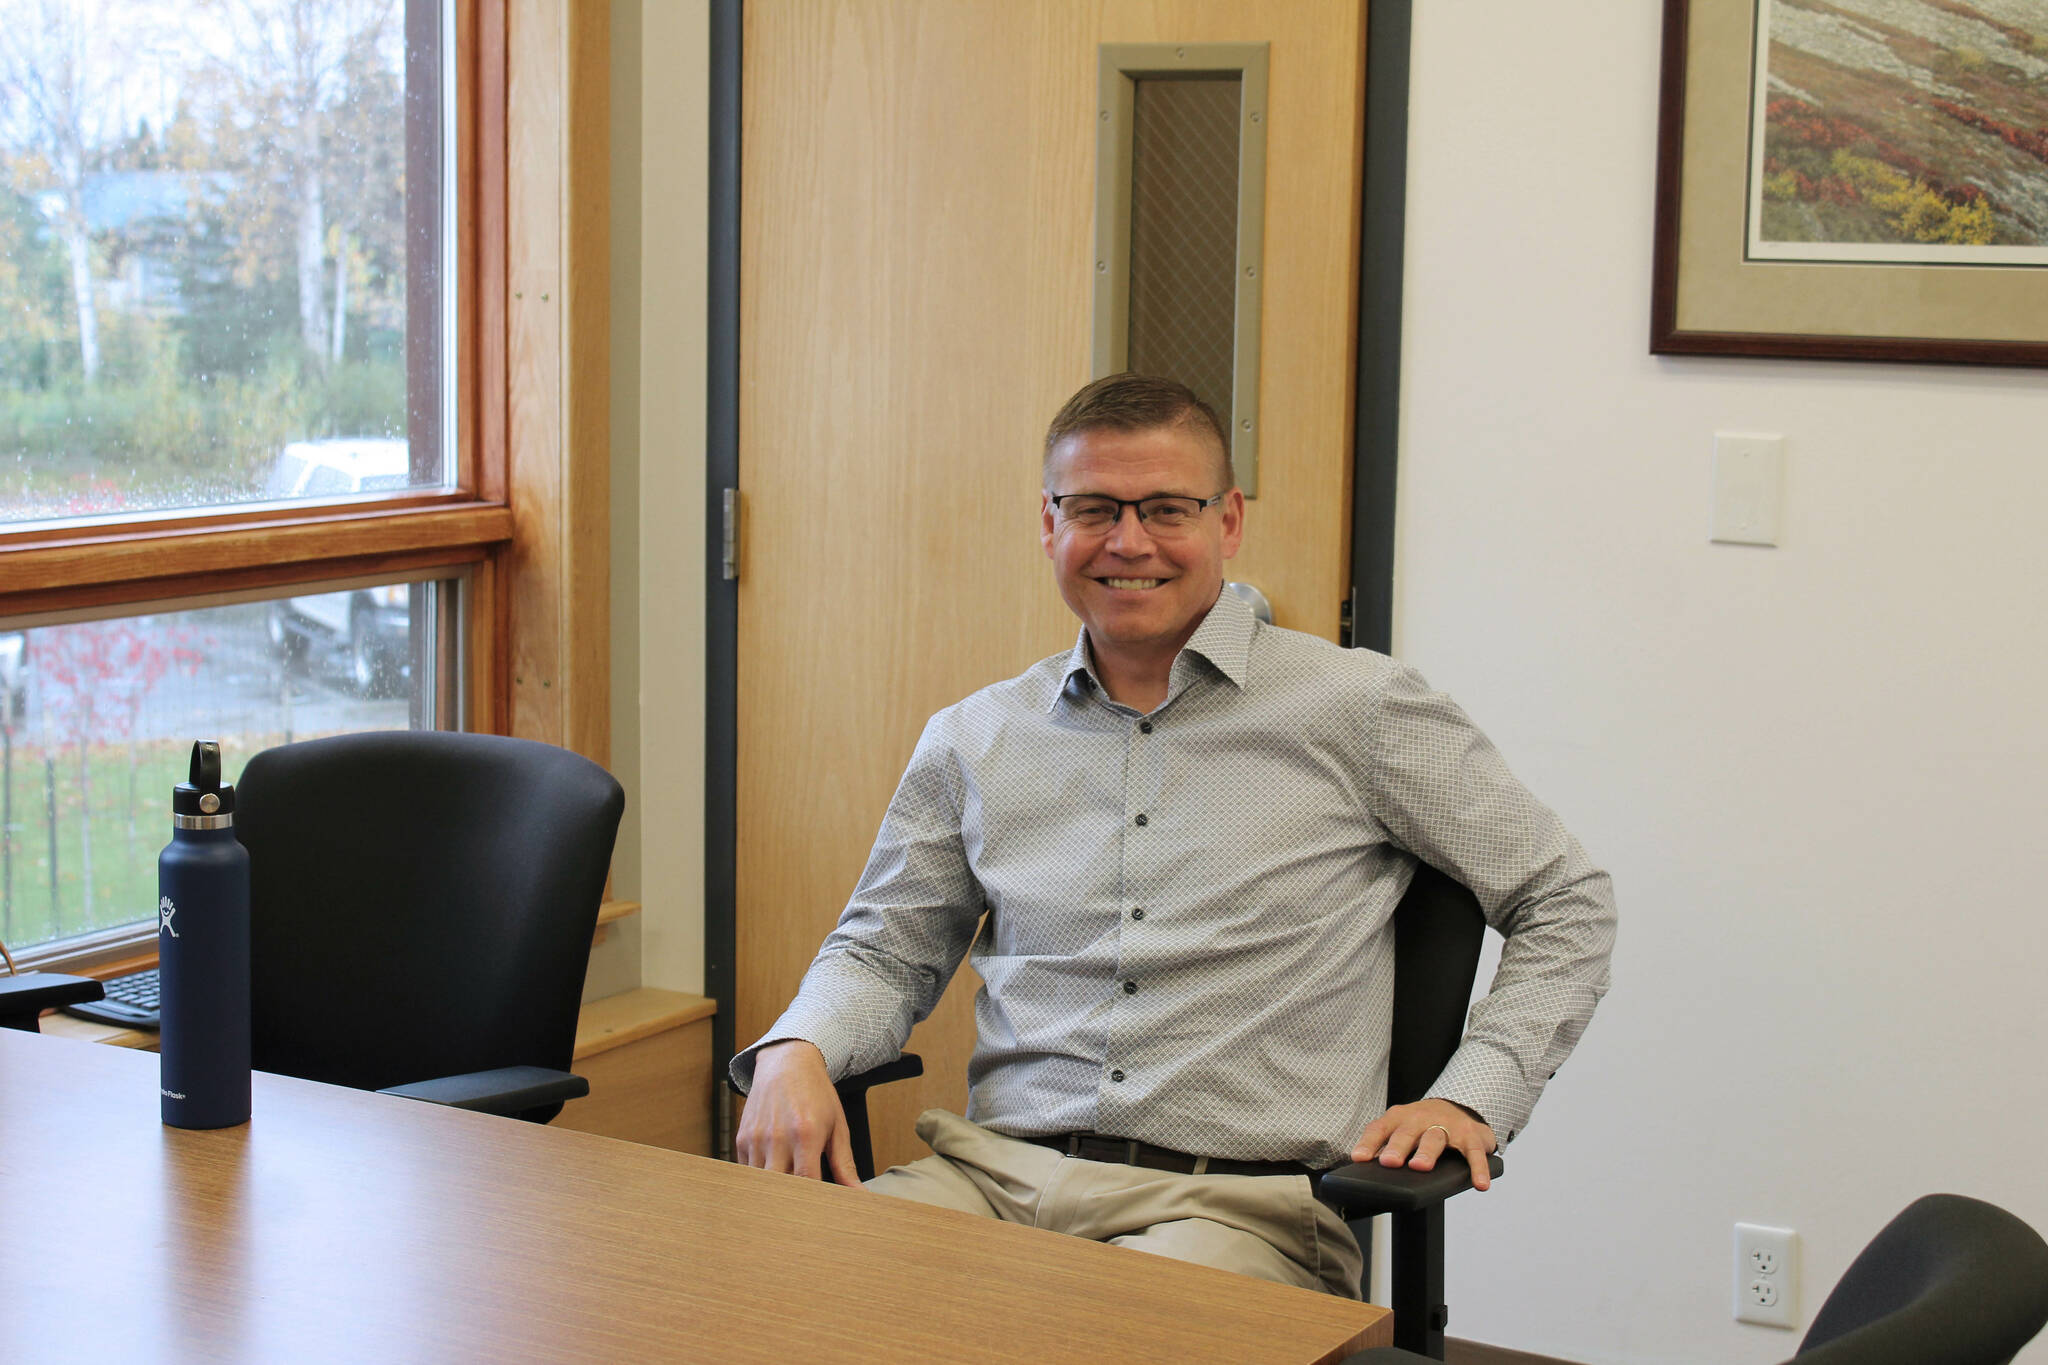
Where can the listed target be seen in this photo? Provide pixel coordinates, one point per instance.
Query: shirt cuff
(1483, 1078)
(816, 1028)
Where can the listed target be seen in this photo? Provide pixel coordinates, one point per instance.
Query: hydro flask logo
(164, 911)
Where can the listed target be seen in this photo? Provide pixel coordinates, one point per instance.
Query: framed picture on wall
(1853, 180)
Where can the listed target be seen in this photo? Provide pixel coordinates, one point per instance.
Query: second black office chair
(422, 905)
(1438, 930)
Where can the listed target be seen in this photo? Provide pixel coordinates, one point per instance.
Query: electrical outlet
(1766, 1275)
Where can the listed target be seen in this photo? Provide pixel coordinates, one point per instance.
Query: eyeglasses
(1095, 514)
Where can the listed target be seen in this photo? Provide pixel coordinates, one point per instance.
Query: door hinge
(729, 555)
(724, 1125)
(1347, 620)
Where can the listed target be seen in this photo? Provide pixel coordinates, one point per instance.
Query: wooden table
(344, 1225)
(645, 1052)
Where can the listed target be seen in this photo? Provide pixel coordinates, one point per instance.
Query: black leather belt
(1130, 1152)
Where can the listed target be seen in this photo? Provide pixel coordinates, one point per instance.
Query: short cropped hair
(1138, 402)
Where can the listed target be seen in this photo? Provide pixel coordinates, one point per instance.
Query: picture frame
(1711, 295)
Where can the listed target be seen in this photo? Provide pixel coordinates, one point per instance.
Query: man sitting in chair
(1188, 834)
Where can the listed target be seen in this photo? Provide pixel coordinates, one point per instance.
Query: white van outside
(371, 625)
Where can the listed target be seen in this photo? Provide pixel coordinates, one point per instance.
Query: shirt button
(1130, 988)
(1144, 727)
(1138, 913)
(1117, 1076)
(1142, 821)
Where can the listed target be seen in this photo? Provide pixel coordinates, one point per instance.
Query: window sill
(618, 1020)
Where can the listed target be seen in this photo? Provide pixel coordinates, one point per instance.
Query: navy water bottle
(202, 935)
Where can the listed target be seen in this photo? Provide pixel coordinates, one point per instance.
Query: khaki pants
(1268, 1226)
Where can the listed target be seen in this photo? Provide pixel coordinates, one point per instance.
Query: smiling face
(1140, 595)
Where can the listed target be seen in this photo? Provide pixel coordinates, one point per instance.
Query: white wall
(660, 163)
(615, 963)
(1816, 771)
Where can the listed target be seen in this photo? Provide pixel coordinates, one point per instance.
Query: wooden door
(917, 184)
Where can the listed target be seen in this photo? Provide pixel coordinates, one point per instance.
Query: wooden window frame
(527, 523)
(526, 517)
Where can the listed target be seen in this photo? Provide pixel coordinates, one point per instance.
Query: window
(253, 451)
(100, 715)
(226, 247)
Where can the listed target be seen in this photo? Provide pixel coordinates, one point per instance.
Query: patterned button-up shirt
(1188, 934)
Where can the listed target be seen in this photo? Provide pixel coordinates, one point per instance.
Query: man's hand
(793, 1116)
(1417, 1134)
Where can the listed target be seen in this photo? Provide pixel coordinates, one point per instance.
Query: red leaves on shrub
(2034, 142)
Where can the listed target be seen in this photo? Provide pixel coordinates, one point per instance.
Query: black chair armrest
(853, 1098)
(24, 997)
(510, 1091)
(1369, 1187)
(903, 1068)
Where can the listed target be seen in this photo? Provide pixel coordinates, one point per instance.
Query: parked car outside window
(14, 674)
(371, 627)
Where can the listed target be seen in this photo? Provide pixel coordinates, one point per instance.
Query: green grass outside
(129, 821)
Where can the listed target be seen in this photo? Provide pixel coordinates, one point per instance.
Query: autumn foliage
(2034, 142)
(1817, 159)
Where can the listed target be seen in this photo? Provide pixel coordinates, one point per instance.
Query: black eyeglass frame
(1201, 504)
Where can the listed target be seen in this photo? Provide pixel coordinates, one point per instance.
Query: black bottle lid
(202, 792)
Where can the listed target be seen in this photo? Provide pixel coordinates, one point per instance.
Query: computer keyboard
(131, 1002)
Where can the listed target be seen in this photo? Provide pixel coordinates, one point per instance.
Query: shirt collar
(1224, 639)
(1079, 676)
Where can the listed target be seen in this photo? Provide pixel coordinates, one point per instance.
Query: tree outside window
(203, 212)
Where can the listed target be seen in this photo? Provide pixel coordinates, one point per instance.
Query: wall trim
(1376, 396)
(722, 471)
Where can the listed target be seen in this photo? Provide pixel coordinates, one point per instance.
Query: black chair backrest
(1438, 929)
(1951, 1279)
(421, 903)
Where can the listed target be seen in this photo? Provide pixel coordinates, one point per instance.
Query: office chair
(421, 910)
(1950, 1279)
(1438, 929)
(24, 997)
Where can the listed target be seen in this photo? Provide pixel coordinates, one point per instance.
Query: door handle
(1252, 598)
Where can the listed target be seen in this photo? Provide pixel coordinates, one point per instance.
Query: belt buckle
(1104, 1147)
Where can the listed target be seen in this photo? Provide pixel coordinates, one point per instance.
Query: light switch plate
(1749, 486)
